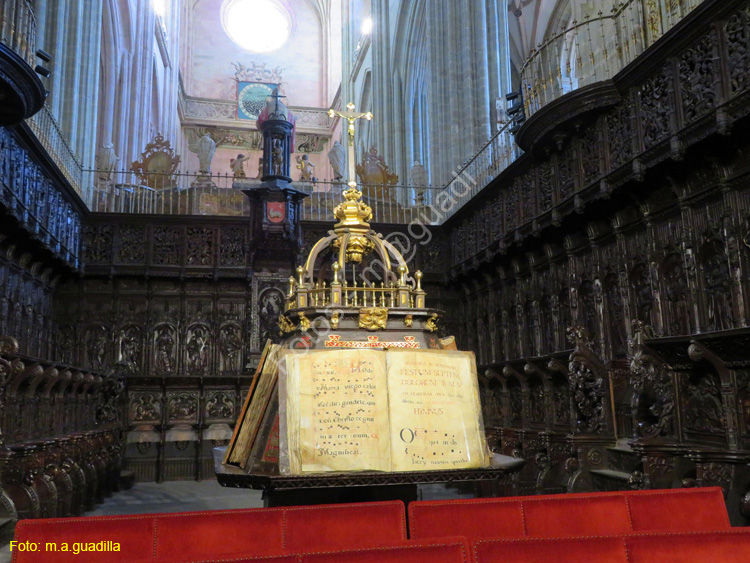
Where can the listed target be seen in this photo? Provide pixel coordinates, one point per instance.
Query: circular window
(260, 26)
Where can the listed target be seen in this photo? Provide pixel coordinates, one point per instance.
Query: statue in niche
(164, 349)
(230, 344)
(260, 169)
(238, 166)
(306, 168)
(197, 350)
(418, 178)
(373, 171)
(96, 346)
(65, 344)
(205, 148)
(641, 283)
(588, 309)
(676, 292)
(277, 158)
(106, 161)
(130, 348)
(616, 318)
(716, 274)
(337, 158)
(271, 304)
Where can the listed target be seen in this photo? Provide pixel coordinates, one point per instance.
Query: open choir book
(375, 410)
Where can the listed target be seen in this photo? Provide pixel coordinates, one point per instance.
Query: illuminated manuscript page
(435, 411)
(337, 411)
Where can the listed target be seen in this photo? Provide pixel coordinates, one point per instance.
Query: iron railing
(123, 191)
(473, 176)
(47, 130)
(597, 48)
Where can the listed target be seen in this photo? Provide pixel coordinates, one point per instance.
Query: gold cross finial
(351, 116)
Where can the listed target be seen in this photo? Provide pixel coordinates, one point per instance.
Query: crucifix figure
(351, 116)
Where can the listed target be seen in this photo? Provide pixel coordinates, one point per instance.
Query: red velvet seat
(688, 509)
(730, 546)
(135, 534)
(472, 518)
(259, 531)
(559, 550)
(581, 514)
(444, 550)
(576, 515)
(291, 558)
(253, 532)
(343, 526)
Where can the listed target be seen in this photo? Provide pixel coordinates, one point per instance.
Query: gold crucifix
(351, 116)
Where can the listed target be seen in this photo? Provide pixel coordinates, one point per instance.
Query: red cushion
(711, 547)
(678, 510)
(233, 559)
(443, 550)
(254, 532)
(472, 518)
(568, 550)
(593, 515)
(342, 526)
(134, 534)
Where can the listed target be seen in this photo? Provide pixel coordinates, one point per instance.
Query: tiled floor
(177, 496)
(186, 496)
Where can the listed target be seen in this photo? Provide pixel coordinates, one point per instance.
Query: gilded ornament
(335, 320)
(304, 323)
(357, 247)
(408, 320)
(374, 318)
(431, 323)
(285, 324)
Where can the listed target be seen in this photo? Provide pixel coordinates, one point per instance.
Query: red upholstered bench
(576, 515)
(437, 550)
(688, 509)
(343, 526)
(290, 558)
(728, 546)
(443, 550)
(724, 546)
(472, 518)
(584, 514)
(135, 534)
(518, 517)
(254, 532)
(560, 550)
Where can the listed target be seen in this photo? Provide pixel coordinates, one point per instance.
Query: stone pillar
(86, 102)
(437, 92)
(484, 105)
(347, 52)
(382, 77)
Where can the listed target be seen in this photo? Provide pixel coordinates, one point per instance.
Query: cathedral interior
(571, 177)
